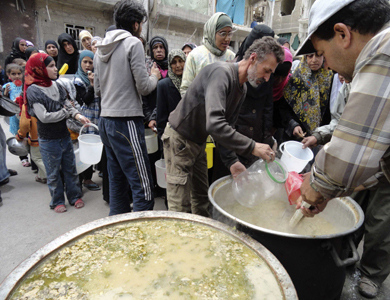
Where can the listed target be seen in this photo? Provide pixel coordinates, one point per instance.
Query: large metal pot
(316, 264)
(9, 285)
(18, 148)
(8, 107)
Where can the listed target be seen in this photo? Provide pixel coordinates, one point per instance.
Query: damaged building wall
(15, 22)
(52, 21)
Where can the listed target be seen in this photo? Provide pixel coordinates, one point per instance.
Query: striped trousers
(127, 164)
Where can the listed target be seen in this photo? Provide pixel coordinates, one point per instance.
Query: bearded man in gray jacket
(120, 80)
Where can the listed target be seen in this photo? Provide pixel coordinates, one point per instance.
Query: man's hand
(236, 169)
(310, 141)
(264, 151)
(298, 132)
(153, 125)
(155, 71)
(313, 210)
(309, 195)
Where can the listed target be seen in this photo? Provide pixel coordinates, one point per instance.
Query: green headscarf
(209, 32)
(175, 79)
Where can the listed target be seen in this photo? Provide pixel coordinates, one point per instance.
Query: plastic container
(294, 157)
(91, 146)
(209, 152)
(80, 166)
(151, 141)
(161, 173)
(261, 181)
(293, 186)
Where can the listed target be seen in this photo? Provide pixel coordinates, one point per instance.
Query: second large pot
(316, 264)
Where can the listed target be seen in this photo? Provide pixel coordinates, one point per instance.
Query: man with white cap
(354, 37)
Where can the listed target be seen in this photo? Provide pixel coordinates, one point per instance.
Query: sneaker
(367, 288)
(41, 180)
(25, 163)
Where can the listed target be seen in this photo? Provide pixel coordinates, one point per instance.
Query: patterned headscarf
(175, 79)
(80, 72)
(209, 32)
(307, 92)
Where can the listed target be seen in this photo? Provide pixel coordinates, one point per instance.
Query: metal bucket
(9, 285)
(316, 264)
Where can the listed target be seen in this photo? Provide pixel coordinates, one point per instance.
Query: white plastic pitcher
(151, 141)
(91, 146)
(161, 173)
(294, 157)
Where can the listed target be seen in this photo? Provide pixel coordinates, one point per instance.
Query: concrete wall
(62, 13)
(14, 23)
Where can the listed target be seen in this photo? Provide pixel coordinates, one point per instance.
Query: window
(286, 7)
(74, 30)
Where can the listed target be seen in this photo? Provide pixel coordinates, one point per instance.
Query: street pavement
(27, 223)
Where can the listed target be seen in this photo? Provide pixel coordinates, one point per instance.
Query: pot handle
(87, 124)
(281, 147)
(345, 262)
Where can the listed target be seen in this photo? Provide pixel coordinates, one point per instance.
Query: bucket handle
(281, 147)
(337, 260)
(89, 124)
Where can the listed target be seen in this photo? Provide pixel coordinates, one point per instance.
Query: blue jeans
(4, 174)
(127, 164)
(58, 155)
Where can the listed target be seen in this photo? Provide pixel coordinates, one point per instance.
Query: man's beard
(252, 77)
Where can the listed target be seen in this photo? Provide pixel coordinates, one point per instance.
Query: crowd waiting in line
(248, 102)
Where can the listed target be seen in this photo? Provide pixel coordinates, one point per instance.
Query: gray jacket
(120, 75)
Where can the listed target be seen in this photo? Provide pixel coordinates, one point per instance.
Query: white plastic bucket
(151, 141)
(294, 157)
(161, 173)
(91, 146)
(80, 166)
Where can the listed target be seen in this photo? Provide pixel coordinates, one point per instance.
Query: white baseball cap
(321, 11)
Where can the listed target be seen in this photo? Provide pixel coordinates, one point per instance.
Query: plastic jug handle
(89, 124)
(281, 147)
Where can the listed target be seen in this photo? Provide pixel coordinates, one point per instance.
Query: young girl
(12, 90)
(89, 104)
(48, 102)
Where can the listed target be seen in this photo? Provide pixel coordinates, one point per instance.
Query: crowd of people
(246, 103)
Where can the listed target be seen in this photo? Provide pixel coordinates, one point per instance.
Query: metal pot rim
(356, 207)
(9, 284)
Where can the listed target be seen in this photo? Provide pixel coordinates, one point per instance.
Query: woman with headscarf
(19, 47)
(51, 48)
(168, 89)
(284, 42)
(30, 51)
(306, 95)
(255, 118)
(48, 102)
(68, 53)
(85, 37)
(217, 33)
(85, 96)
(188, 47)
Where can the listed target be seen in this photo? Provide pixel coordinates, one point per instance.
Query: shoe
(367, 288)
(12, 172)
(92, 186)
(35, 171)
(1, 201)
(5, 181)
(41, 180)
(25, 163)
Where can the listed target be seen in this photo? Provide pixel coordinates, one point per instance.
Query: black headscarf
(51, 42)
(159, 40)
(257, 32)
(29, 51)
(15, 52)
(191, 45)
(64, 58)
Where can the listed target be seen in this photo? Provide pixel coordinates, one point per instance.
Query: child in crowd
(12, 90)
(48, 102)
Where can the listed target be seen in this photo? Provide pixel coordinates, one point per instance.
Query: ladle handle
(343, 262)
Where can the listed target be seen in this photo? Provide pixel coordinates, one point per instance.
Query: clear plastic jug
(261, 181)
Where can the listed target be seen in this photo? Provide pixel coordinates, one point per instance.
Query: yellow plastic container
(209, 152)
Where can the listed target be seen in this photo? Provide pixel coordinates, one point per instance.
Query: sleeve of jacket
(24, 124)
(268, 117)
(188, 74)
(145, 84)
(96, 81)
(288, 118)
(162, 111)
(84, 96)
